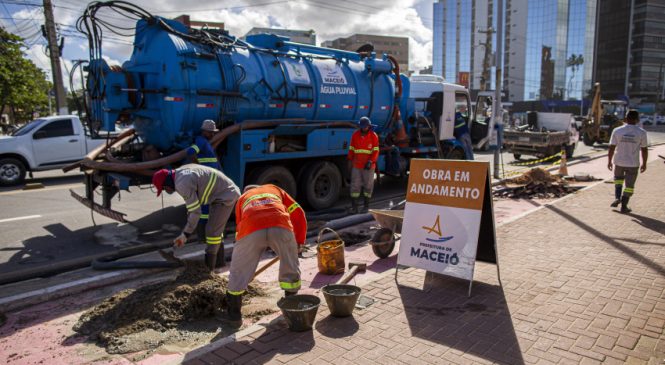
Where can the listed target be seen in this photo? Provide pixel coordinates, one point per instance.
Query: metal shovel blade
(169, 256)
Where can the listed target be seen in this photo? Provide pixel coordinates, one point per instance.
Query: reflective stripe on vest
(208, 190)
(196, 148)
(259, 196)
(207, 160)
(193, 206)
(293, 207)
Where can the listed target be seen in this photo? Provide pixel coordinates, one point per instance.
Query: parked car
(44, 144)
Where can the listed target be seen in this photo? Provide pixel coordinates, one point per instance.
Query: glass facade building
(548, 45)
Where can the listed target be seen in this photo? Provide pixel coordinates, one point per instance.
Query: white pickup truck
(47, 143)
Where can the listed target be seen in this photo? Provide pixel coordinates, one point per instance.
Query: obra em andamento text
(445, 190)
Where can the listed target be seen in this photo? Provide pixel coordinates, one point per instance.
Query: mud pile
(353, 238)
(536, 176)
(193, 295)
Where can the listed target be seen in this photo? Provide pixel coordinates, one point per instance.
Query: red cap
(158, 180)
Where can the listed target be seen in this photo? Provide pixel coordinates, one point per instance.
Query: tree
(574, 62)
(23, 86)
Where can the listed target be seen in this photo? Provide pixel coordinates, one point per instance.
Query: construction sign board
(448, 218)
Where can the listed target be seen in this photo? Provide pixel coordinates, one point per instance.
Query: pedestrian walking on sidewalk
(202, 153)
(266, 217)
(626, 143)
(201, 185)
(363, 153)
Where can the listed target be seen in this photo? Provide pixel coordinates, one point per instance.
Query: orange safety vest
(363, 148)
(269, 206)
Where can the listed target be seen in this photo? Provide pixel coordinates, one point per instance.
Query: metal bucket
(341, 298)
(330, 254)
(299, 311)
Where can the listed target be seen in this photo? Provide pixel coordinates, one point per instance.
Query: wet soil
(353, 238)
(180, 312)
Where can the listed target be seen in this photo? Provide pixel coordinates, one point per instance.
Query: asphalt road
(42, 227)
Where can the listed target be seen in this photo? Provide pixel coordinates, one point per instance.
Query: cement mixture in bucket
(180, 312)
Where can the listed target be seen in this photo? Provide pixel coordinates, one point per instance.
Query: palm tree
(574, 61)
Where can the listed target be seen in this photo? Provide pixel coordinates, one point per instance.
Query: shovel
(169, 256)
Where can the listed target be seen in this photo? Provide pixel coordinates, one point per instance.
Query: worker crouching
(266, 216)
(201, 185)
(363, 153)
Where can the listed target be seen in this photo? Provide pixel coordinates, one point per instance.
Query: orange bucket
(330, 254)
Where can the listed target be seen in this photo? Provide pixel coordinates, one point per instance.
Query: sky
(330, 20)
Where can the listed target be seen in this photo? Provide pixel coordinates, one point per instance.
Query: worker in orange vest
(363, 153)
(266, 216)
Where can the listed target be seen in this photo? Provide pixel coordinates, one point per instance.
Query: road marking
(57, 187)
(19, 218)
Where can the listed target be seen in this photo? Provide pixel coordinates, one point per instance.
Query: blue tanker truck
(286, 111)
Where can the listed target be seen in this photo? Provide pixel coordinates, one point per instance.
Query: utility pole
(54, 53)
(497, 109)
(484, 79)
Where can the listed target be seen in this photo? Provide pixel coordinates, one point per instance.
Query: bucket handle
(318, 239)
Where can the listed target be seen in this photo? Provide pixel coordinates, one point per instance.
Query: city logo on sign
(436, 228)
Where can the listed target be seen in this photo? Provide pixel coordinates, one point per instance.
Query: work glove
(180, 240)
(368, 165)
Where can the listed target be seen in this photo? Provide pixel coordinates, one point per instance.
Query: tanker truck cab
(437, 102)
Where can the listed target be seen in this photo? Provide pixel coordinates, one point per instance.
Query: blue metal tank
(172, 83)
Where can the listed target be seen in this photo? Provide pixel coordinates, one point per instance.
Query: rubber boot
(221, 260)
(354, 206)
(617, 196)
(210, 260)
(365, 204)
(233, 307)
(624, 204)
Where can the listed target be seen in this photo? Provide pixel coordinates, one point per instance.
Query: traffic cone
(563, 169)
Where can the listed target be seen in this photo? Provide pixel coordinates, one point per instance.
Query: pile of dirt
(535, 183)
(193, 295)
(353, 238)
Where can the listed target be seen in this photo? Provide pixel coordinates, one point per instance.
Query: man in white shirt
(625, 145)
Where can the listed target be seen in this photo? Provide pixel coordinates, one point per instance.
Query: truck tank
(176, 79)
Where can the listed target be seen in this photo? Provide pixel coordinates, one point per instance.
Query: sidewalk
(581, 284)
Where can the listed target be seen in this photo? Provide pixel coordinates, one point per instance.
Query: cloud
(330, 20)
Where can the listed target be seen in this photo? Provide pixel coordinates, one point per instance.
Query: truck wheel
(12, 172)
(517, 156)
(320, 184)
(277, 175)
(570, 149)
(456, 154)
(587, 139)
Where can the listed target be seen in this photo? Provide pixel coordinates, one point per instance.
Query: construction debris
(353, 238)
(535, 183)
(123, 322)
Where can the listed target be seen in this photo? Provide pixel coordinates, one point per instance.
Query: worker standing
(626, 143)
(201, 185)
(266, 216)
(461, 132)
(363, 153)
(202, 153)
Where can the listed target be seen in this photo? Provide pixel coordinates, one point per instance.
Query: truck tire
(320, 184)
(12, 172)
(570, 150)
(517, 156)
(587, 139)
(277, 175)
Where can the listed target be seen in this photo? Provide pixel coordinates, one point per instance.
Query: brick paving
(582, 284)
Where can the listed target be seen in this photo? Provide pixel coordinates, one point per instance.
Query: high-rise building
(631, 32)
(397, 47)
(294, 35)
(548, 46)
(463, 38)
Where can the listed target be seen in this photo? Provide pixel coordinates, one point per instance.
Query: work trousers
(627, 176)
(362, 179)
(219, 216)
(247, 253)
(465, 140)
